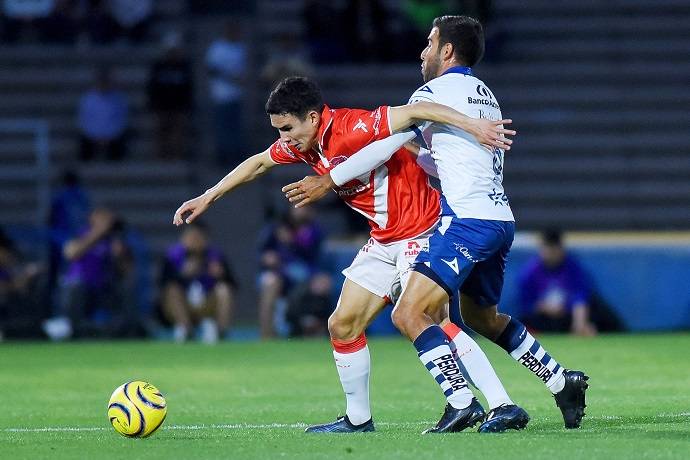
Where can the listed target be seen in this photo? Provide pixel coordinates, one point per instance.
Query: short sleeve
(423, 94)
(367, 125)
(281, 153)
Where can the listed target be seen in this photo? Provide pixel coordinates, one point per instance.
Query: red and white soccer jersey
(396, 197)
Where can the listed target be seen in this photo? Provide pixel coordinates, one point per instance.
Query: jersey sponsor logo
(377, 121)
(353, 190)
(453, 264)
(484, 91)
(413, 249)
(465, 252)
(535, 366)
(498, 162)
(360, 125)
(478, 101)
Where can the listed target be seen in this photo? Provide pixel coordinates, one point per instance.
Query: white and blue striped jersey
(471, 175)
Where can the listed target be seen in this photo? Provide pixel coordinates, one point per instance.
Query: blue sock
(527, 350)
(434, 352)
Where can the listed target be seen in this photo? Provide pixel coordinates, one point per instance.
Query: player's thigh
(484, 283)
(374, 268)
(356, 309)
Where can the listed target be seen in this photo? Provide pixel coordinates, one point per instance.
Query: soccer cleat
(504, 417)
(342, 425)
(571, 399)
(454, 420)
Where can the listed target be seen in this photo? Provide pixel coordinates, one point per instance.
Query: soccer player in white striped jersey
(468, 250)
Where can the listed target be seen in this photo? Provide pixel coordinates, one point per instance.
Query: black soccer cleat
(505, 417)
(454, 420)
(342, 425)
(571, 399)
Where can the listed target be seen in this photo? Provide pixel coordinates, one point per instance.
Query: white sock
(477, 367)
(353, 369)
(527, 350)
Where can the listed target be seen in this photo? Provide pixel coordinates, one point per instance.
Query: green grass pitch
(251, 400)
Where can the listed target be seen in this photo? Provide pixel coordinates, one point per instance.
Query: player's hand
(191, 209)
(308, 190)
(492, 133)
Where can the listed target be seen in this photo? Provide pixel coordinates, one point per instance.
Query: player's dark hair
(295, 96)
(552, 237)
(465, 34)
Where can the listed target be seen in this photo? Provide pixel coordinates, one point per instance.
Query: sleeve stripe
(388, 119)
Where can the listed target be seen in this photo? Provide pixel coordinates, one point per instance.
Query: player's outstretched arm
(247, 171)
(313, 188)
(487, 132)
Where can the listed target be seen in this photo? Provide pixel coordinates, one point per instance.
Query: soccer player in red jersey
(396, 198)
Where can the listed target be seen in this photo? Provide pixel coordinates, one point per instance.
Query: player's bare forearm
(308, 190)
(247, 171)
(487, 132)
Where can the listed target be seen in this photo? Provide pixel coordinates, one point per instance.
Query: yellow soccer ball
(136, 409)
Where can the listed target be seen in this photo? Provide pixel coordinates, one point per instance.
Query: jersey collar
(324, 126)
(459, 69)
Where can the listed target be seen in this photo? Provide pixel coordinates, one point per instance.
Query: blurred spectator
(132, 17)
(170, 94)
(19, 314)
(325, 32)
(226, 61)
(197, 287)
(290, 252)
(69, 213)
(309, 306)
(20, 18)
(287, 58)
(98, 286)
(557, 293)
(103, 119)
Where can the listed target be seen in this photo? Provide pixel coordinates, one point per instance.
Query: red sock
(451, 330)
(349, 346)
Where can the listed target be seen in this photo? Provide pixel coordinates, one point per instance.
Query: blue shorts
(468, 255)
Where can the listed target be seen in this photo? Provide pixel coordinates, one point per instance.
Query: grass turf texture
(247, 400)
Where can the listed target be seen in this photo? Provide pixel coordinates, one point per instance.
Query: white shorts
(383, 269)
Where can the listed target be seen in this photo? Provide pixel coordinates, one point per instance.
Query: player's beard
(431, 66)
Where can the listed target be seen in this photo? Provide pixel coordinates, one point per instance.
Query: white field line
(267, 426)
(222, 426)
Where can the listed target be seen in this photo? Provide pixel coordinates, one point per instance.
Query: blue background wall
(649, 286)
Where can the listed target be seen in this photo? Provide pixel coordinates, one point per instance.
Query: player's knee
(487, 322)
(342, 326)
(401, 316)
